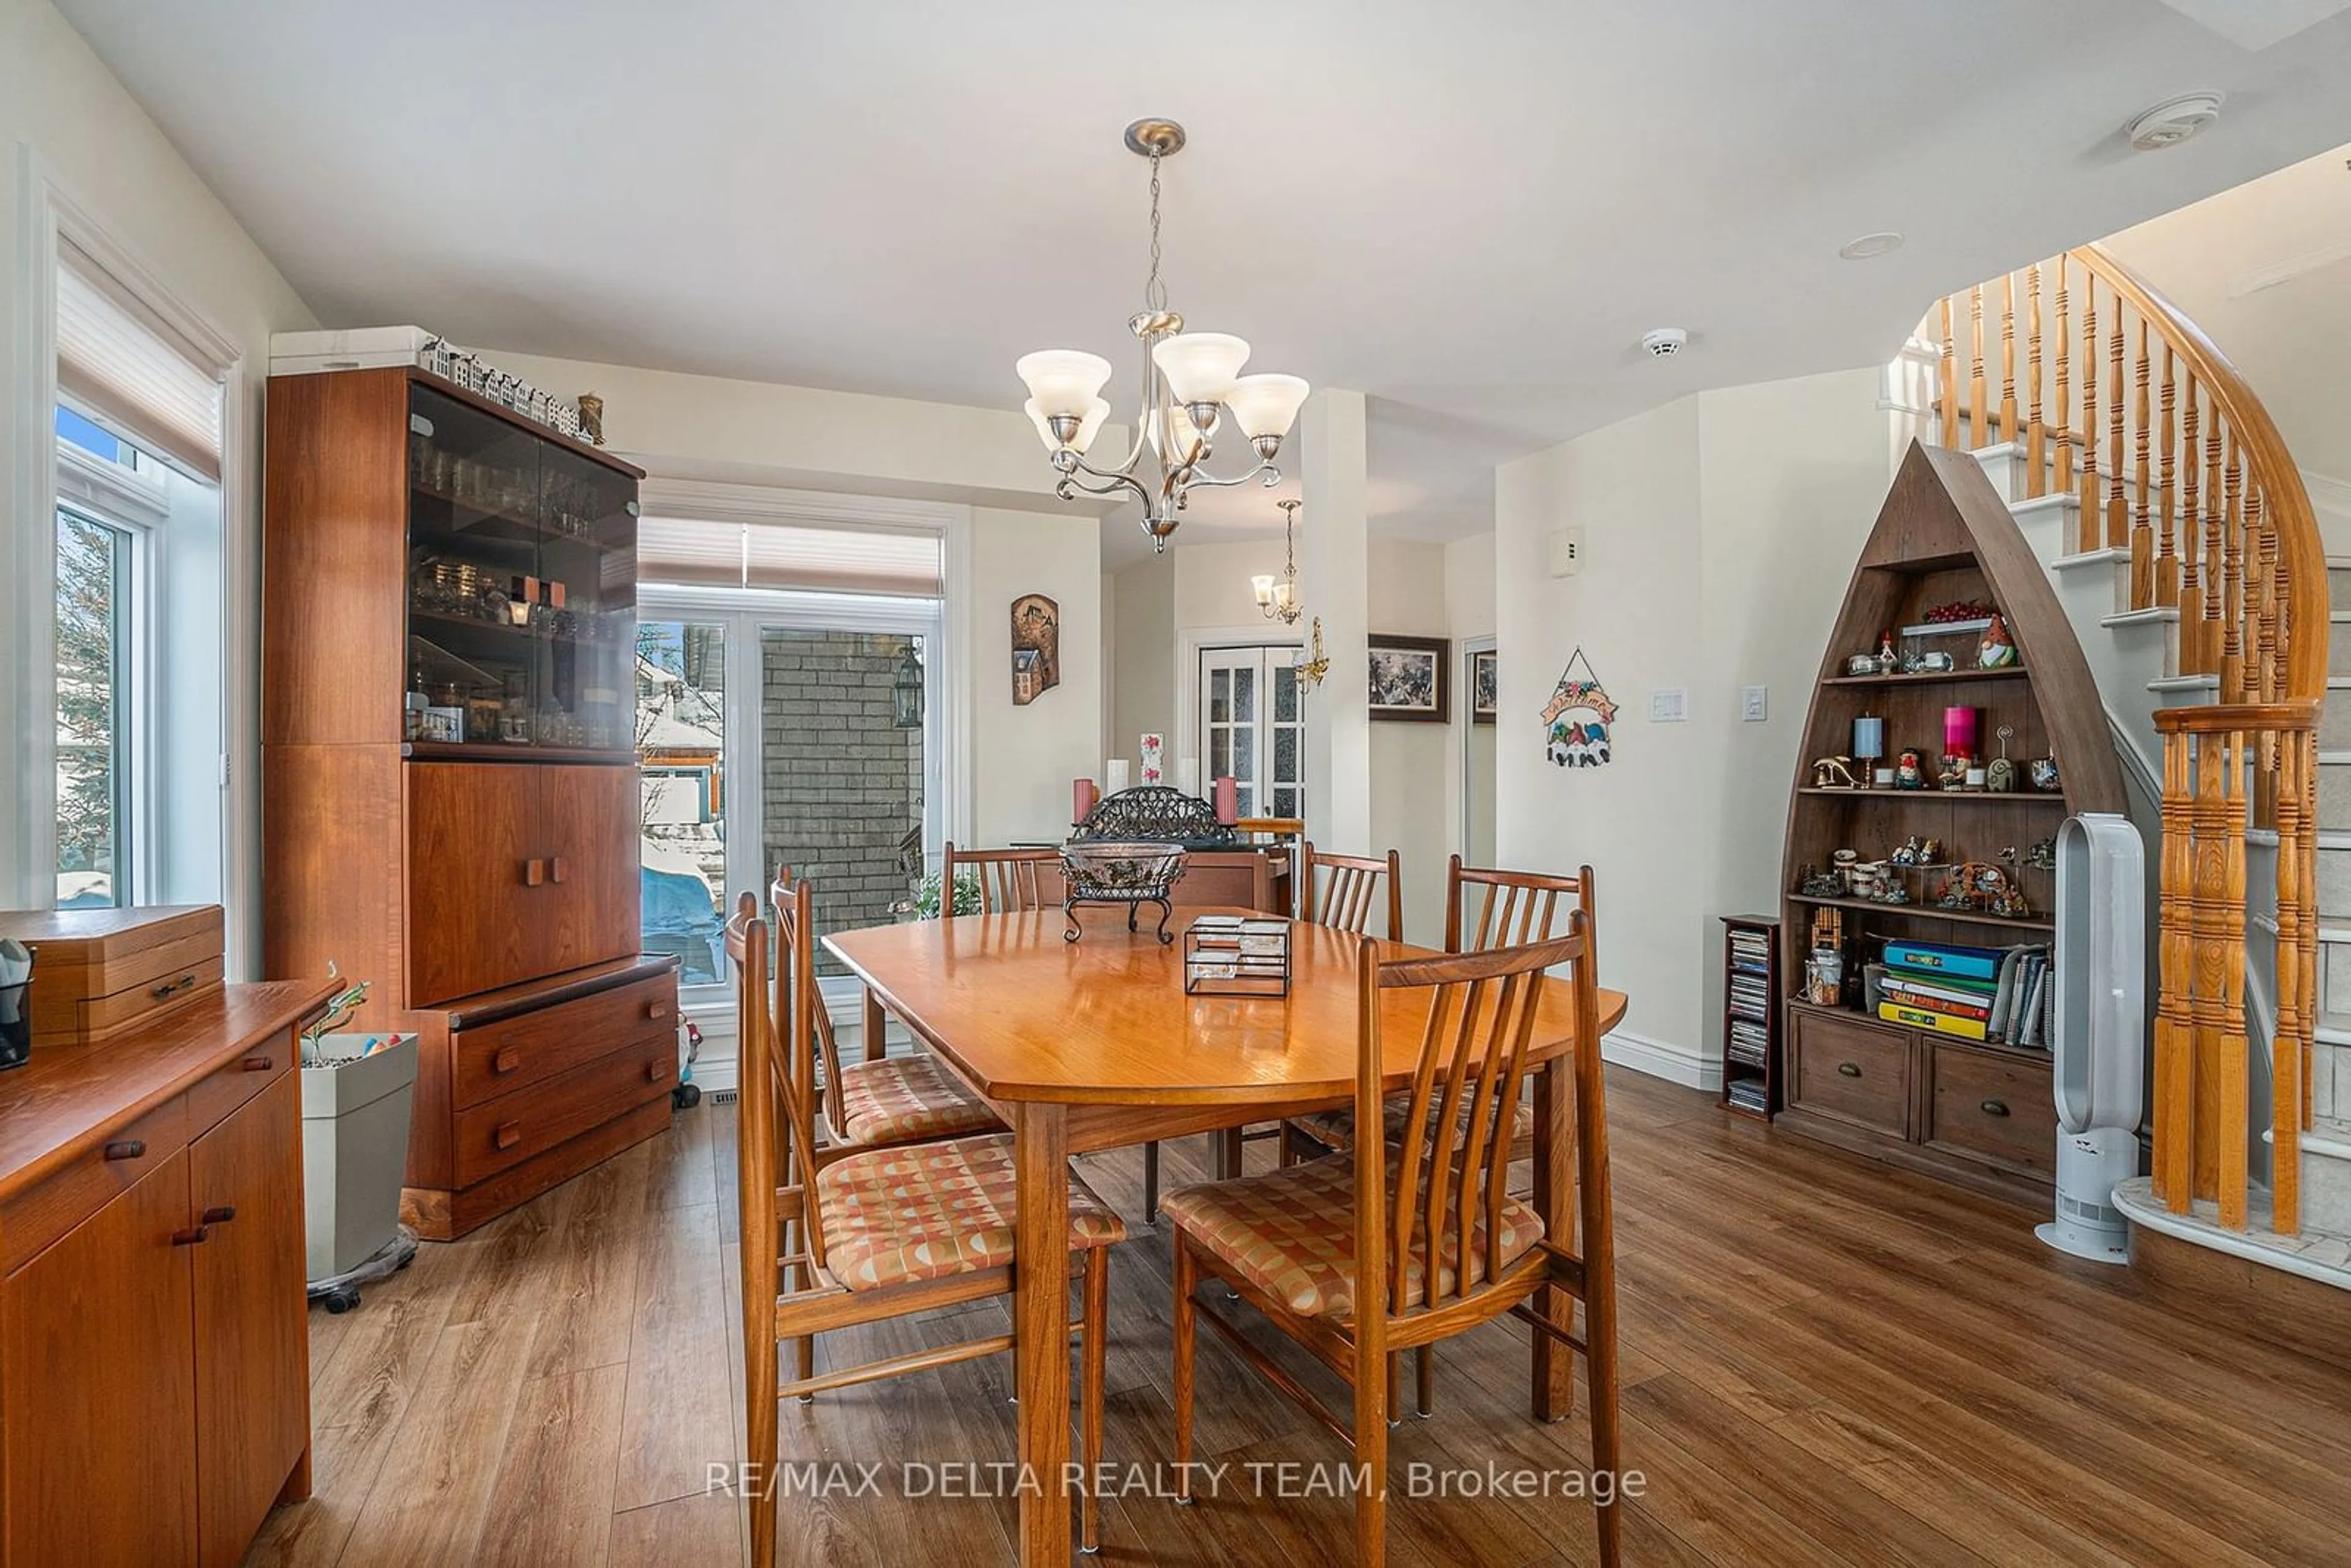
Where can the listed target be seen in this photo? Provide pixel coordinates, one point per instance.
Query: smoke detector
(2174, 120)
(1665, 342)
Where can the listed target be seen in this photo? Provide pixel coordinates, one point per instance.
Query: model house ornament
(1577, 719)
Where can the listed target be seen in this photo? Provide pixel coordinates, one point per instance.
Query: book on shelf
(1748, 1094)
(1978, 1010)
(1935, 957)
(1927, 1019)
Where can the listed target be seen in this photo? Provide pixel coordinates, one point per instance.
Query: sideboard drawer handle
(505, 1062)
(508, 1134)
(656, 1010)
(534, 873)
(555, 869)
(189, 1236)
(219, 1214)
(126, 1149)
(655, 1070)
(173, 987)
(1850, 1070)
(258, 1063)
(1995, 1108)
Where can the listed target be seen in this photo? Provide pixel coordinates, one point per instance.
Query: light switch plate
(1754, 704)
(1567, 550)
(1668, 707)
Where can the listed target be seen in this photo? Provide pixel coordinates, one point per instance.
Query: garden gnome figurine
(1997, 651)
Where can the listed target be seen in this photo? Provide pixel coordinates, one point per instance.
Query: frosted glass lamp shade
(1200, 367)
(1063, 381)
(1265, 404)
(1182, 437)
(1087, 429)
(1264, 587)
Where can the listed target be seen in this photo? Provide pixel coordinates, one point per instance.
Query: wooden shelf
(1910, 797)
(1924, 911)
(1943, 1042)
(499, 751)
(1930, 677)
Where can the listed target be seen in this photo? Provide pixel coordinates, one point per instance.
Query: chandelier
(1192, 390)
(1278, 601)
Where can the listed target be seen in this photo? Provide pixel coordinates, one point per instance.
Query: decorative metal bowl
(1132, 874)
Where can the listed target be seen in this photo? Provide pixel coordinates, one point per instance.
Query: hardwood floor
(1824, 1363)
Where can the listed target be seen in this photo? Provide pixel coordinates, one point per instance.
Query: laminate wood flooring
(1825, 1362)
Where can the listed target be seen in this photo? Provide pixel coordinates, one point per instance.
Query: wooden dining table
(1095, 1044)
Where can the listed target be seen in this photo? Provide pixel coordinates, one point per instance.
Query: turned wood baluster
(1950, 370)
(2065, 432)
(2117, 509)
(2191, 565)
(2232, 1068)
(2233, 580)
(2167, 544)
(2008, 356)
(2208, 922)
(2287, 1045)
(2090, 532)
(2175, 1027)
(2036, 434)
(2214, 514)
(2308, 741)
(2142, 537)
(1975, 376)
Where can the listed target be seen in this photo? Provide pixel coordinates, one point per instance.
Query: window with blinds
(125, 368)
(811, 559)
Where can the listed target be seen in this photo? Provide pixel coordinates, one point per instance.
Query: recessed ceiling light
(2174, 120)
(1870, 245)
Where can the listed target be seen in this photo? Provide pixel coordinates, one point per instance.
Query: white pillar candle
(1114, 774)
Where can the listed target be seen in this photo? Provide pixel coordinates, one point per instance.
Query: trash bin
(354, 1148)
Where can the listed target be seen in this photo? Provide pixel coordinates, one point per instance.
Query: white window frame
(122, 498)
(49, 216)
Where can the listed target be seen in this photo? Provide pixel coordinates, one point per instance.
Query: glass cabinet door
(521, 587)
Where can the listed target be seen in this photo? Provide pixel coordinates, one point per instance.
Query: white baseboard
(1681, 1064)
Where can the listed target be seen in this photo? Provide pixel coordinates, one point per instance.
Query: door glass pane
(1285, 694)
(1245, 754)
(1285, 753)
(681, 737)
(93, 602)
(843, 783)
(587, 572)
(1245, 694)
(1220, 751)
(1220, 698)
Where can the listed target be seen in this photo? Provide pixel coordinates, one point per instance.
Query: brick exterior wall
(843, 785)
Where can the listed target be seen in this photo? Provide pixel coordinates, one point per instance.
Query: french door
(1252, 726)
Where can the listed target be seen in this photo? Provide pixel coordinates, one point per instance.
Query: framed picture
(1408, 678)
(1485, 694)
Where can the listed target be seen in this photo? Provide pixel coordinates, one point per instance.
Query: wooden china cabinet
(450, 789)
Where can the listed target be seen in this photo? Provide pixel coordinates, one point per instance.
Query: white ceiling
(1470, 212)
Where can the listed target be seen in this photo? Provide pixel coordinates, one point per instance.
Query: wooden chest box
(98, 973)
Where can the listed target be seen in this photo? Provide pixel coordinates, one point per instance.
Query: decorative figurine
(1918, 851)
(1997, 651)
(1910, 769)
(2041, 771)
(1861, 664)
(1953, 774)
(2043, 856)
(1887, 660)
(1922, 663)
(592, 418)
(1835, 773)
(1814, 882)
(1999, 773)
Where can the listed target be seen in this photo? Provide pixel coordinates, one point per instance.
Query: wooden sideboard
(449, 780)
(154, 1349)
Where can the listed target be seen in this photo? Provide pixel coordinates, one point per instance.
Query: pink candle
(1082, 796)
(1228, 800)
(1958, 732)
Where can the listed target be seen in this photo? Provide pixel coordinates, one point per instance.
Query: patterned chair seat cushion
(1292, 1233)
(922, 1211)
(1336, 1129)
(905, 1100)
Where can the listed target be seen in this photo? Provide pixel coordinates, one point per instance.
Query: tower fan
(2100, 1030)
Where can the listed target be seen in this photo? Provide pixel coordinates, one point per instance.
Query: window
(93, 755)
(768, 724)
(1253, 727)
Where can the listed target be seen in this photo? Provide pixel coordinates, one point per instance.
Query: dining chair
(882, 1102)
(1398, 1246)
(1012, 882)
(1339, 892)
(872, 1235)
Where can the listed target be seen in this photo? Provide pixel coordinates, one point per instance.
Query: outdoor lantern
(907, 688)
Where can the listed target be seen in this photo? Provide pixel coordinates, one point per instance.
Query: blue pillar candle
(1868, 737)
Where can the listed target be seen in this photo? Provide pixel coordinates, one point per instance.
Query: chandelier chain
(1155, 292)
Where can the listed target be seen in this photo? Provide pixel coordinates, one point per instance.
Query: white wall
(1023, 759)
(1720, 533)
(64, 116)
(1412, 764)
(1144, 662)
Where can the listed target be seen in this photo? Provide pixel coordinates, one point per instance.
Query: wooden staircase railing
(2180, 471)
